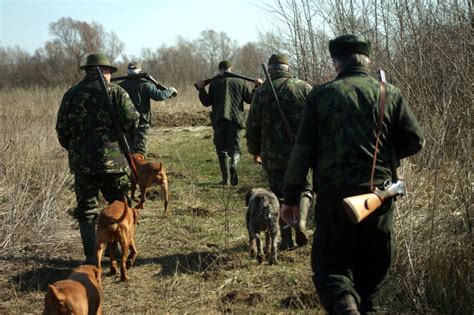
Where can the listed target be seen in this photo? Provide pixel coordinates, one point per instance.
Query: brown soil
(180, 119)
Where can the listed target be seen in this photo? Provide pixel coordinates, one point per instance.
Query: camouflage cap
(278, 59)
(134, 65)
(98, 59)
(349, 45)
(224, 64)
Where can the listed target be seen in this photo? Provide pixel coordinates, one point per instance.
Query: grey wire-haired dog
(262, 216)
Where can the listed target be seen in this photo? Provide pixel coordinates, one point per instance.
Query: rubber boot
(345, 305)
(300, 229)
(87, 229)
(234, 160)
(225, 169)
(286, 237)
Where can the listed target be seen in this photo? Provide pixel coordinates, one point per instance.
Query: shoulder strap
(378, 129)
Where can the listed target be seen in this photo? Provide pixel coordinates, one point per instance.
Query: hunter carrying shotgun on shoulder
(143, 88)
(226, 94)
(85, 128)
(353, 130)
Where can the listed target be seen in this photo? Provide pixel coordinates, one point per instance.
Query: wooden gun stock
(360, 206)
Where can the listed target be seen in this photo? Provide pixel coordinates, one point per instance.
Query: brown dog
(116, 224)
(79, 294)
(149, 173)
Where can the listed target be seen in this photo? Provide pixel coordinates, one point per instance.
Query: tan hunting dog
(149, 173)
(79, 294)
(116, 224)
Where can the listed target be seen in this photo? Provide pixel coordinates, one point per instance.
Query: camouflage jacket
(85, 129)
(227, 97)
(337, 134)
(141, 91)
(266, 134)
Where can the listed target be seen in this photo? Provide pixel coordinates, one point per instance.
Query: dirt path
(194, 260)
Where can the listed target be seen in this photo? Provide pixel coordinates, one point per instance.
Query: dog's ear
(58, 295)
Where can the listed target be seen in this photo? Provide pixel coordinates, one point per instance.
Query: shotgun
(142, 75)
(360, 206)
(124, 147)
(227, 74)
(286, 125)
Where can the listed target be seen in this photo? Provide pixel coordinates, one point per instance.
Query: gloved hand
(175, 92)
(200, 84)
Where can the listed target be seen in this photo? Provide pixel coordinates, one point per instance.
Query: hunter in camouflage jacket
(85, 129)
(266, 135)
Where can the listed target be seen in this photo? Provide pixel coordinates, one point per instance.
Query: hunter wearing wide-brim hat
(84, 128)
(337, 138)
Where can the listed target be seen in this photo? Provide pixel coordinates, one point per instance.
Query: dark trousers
(351, 258)
(87, 186)
(227, 138)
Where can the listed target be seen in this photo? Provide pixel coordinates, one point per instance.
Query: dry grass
(196, 259)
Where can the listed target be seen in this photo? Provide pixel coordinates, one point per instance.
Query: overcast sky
(138, 23)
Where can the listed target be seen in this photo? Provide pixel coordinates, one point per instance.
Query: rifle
(286, 125)
(124, 147)
(142, 75)
(225, 75)
(360, 206)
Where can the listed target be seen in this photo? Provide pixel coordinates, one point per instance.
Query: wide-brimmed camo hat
(98, 59)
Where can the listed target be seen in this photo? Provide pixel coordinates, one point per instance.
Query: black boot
(87, 229)
(234, 159)
(300, 229)
(286, 237)
(225, 169)
(345, 305)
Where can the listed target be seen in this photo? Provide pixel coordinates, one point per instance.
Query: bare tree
(80, 38)
(214, 47)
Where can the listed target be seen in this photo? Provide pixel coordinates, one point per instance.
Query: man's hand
(258, 82)
(200, 84)
(175, 92)
(257, 159)
(290, 214)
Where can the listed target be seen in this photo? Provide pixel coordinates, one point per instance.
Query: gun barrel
(115, 122)
(286, 125)
(240, 76)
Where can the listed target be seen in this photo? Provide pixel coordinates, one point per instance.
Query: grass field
(196, 259)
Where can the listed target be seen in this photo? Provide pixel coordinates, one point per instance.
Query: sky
(137, 23)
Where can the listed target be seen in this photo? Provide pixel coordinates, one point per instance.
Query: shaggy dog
(262, 216)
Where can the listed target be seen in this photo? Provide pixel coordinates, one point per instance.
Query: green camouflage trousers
(87, 186)
(347, 257)
(140, 139)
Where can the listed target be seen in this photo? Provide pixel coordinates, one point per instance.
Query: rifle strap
(378, 129)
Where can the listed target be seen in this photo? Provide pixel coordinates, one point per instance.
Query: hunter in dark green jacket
(226, 96)
(337, 140)
(141, 91)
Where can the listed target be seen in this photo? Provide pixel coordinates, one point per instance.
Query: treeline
(57, 62)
